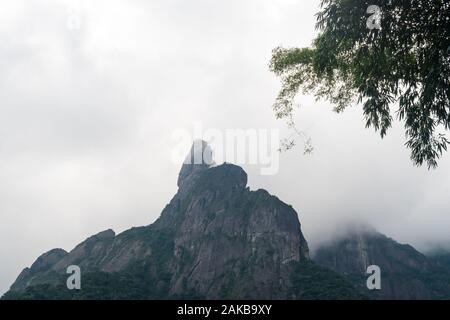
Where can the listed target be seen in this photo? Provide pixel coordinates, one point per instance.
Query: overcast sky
(92, 93)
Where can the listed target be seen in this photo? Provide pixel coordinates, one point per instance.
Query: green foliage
(406, 62)
(159, 240)
(312, 282)
(309, 282)
(142, 280)
(95, 286)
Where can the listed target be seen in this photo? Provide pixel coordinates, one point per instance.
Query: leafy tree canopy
(395, 57)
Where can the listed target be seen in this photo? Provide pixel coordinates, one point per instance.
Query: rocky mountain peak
(42, 265)
(215, 239)
(199, 158)
(48, 259)
(107, 234)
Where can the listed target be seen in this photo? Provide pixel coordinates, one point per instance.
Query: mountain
(216, 239)
(440, 256)
(405, 272)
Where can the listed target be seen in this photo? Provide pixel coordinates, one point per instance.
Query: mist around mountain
(406, 274)
(215, 239)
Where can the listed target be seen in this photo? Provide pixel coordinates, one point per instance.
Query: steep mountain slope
(405, 272)
(215, 239)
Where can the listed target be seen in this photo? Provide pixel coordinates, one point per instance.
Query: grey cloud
(86, 119)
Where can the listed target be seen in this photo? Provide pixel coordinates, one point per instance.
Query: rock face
(215, 239)
(405, 272)
(42, 265)
(198, 159)
(221, 226)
